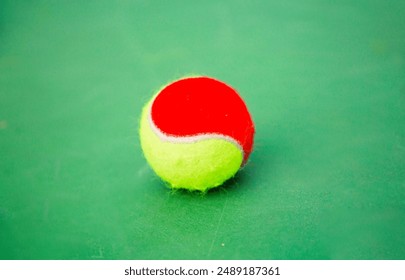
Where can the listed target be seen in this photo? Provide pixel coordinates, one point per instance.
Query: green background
(324, 81)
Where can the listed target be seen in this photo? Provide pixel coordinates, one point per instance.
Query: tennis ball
(196, 133)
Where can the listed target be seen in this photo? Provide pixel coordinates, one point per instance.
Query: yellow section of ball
(201, 165)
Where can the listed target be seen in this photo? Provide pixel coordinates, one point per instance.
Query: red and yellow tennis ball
(196, 133)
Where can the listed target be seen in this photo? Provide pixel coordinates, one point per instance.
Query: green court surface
(324, 81)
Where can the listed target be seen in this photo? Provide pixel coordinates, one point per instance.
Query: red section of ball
(201, 105)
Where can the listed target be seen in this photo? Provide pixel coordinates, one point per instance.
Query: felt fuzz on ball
(196, 133)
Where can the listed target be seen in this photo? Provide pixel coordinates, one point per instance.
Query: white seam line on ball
(190, 139)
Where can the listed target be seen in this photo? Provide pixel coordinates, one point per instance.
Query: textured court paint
(203, 105)
(199, 166)
(324, 82)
